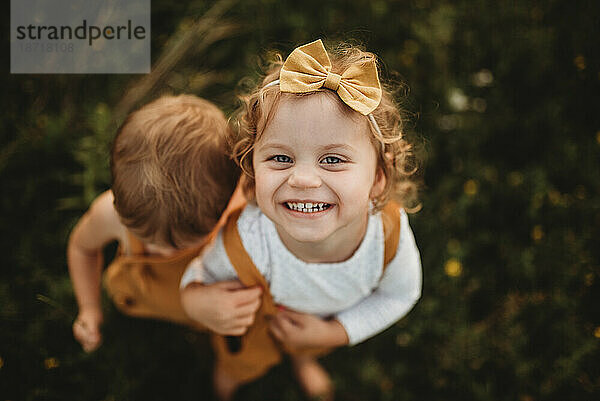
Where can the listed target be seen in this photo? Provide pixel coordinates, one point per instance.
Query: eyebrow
(273, 145)
(324, 148)
(334, 146)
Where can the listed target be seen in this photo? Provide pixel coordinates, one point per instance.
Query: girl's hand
(300, 330)
(227, 308)
(86, 328)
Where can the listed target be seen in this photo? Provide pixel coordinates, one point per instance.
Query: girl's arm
(97, 227)
(212, 296)
(226, 307)
(304, 331)
(398, 291)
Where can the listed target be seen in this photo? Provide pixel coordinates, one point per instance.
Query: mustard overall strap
(391, 231)
(247, 272)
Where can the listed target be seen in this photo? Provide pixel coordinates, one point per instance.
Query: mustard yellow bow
(308, 68)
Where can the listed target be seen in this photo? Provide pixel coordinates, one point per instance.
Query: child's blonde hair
(395, 156)
(172, 174)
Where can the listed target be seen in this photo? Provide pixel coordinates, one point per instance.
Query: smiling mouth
(307, 207)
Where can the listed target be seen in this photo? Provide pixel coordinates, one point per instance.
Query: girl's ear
(378, 183)
(248, 188)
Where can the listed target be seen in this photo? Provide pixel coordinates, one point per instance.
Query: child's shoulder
(251, 224)
(251, 212)
(99, 225)
(103, 208)
(103, 218)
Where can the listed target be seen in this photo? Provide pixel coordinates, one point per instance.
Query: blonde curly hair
(394, 153)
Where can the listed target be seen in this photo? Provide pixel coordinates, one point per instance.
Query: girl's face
(316, 171)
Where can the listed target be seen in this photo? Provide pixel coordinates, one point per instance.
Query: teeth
(307, 207)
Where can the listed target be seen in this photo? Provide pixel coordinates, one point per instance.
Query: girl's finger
(246, 296)
(230, 285)
(248, 309)
(275, 330)
(285, 324)
(295, 317)
(237, 331)
(289, 320)
(241, 321)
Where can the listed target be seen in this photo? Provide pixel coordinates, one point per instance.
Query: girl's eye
(281, 159)
(331, 160)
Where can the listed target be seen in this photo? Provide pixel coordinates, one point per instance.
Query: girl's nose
(304, 179)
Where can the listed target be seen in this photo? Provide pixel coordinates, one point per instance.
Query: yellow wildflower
(51, 363)
(453, 268)
(537, 233)
(470, 187)
(579, 62)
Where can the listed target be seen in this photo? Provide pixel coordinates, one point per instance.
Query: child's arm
(97, 227)
(302, 330)
(226, 307)
(212, 295)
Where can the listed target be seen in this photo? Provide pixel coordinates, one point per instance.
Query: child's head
(172, 176)
(394, 162)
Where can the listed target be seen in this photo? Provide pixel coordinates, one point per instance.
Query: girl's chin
(307, 238)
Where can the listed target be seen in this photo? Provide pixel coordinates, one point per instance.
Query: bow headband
(308, 69)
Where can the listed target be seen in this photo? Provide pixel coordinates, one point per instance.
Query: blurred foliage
(502, 99)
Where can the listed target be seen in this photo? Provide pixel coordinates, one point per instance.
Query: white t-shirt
(354, 291)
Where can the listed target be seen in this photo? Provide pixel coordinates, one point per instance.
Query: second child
(172, 181)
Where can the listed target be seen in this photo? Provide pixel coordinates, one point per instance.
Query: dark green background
(510, 199)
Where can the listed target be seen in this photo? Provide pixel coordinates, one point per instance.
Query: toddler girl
(325, 162)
